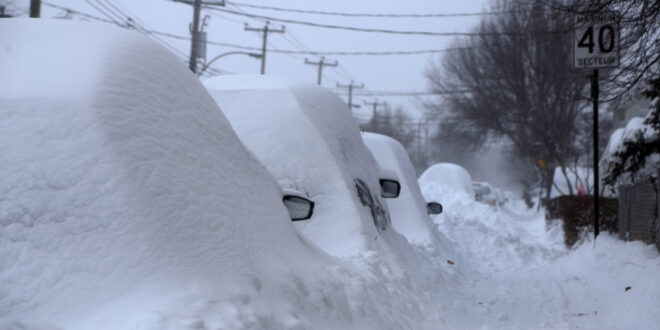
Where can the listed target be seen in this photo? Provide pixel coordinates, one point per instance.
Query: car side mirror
(433, 208)
(299, 208)
(389, 188)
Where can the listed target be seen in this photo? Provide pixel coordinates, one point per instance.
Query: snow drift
(309, 141)
(124, 190)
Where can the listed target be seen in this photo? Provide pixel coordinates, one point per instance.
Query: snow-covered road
(513, 273)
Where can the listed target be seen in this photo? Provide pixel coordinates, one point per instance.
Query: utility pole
(194, 30)
(375, 105)
(35, 8)
(265, 30)
(594, 95)
(192, 64)
(321, 64)
(2, 12)
(350, 87)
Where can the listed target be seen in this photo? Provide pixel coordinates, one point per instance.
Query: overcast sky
(396, 73)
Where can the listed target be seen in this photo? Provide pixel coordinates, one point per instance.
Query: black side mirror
(389, 188)
(299, 208)
(433, 208)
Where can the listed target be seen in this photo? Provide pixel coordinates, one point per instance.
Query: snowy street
(143, 191)
(513, 274)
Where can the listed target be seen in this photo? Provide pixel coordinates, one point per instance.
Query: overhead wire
(179, 53)
(361, 29)
(330, 13)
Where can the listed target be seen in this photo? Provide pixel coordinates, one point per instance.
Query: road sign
(596, 40)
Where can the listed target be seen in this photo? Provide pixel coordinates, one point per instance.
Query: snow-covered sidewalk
(512, 272)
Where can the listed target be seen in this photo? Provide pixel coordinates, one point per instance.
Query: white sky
(401, 73)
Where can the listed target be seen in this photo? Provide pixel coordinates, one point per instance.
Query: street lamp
(207, 65)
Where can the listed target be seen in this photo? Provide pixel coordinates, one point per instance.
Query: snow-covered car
(448, 176)
(308, 140)
(125, 194)
(500, 196)
(484, 193)
(409, 211)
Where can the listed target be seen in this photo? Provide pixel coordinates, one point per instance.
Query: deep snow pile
(127, 201)
(120, 178)
(307, 138)
(511, 272)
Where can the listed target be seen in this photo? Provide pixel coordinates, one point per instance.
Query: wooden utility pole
(350, 87)
(2, 12)
(321, 64)
(35, 8)
(192, 64)
(265, 30)
(375, 105)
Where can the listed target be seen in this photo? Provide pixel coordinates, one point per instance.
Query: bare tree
(520, 87)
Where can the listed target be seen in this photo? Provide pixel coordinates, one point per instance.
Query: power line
(322, 52)
(403, 93)
(114, 22)
(330, 13)
(359, 29)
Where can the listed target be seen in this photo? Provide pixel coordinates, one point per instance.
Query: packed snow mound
(309, 141)
(514, 272)
(448, 175)
(121, 181)
(408, 211)
(306, 137)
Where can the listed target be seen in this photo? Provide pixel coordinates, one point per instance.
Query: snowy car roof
(118, 174)
(448, 175)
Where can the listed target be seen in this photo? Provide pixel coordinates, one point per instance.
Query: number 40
(605, 39)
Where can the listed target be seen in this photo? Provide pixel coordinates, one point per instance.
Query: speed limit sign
(596, 40)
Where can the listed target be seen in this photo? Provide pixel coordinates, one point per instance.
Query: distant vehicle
(448, 176)
(409, 211)
(310, 142)
(483, 193)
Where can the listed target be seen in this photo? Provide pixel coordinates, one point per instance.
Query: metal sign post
(595, 46)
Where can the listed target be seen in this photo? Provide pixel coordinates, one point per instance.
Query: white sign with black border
(596, 40)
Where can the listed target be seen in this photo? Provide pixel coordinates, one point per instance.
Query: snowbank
(127, 200)
(308, 140)
(510, 271)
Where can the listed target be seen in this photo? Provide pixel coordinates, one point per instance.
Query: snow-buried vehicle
(125, 195)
